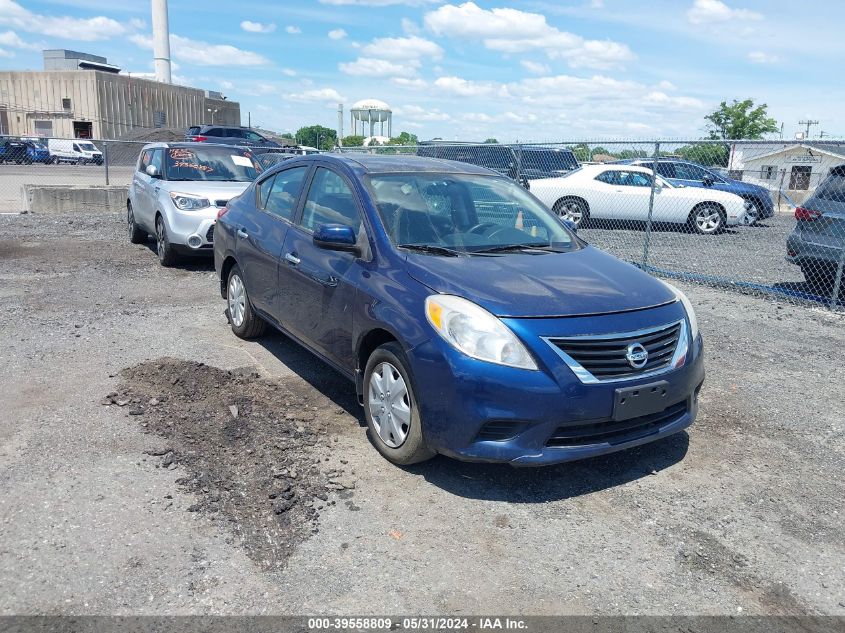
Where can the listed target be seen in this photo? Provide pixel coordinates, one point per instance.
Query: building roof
(836, 150)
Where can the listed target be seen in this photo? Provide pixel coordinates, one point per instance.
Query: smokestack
(340, 124)
(161, 41)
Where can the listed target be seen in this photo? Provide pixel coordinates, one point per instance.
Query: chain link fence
(757, 216)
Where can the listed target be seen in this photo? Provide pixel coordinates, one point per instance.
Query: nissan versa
(472, 320)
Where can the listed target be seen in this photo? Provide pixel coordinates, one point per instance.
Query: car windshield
(88, 147)
(549, 160)
(451, 214)
(226, 164)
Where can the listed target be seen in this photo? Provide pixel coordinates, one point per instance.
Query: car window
(234, 132)
(193, 130)
(608, 177)
(156, 160)
(329, 201)
(252, 136)
(262, 190)
(211, 162)
(634, 179)
(281, 201)
(144, 161)
(686, 171)
(214, 131)
(832, 189)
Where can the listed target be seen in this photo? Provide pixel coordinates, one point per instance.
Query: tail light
(199, 139)
(808, 215)
(223, 211)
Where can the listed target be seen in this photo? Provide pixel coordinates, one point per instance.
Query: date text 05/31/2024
(418, 623)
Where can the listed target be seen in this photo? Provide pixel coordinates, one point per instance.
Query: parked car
(36, 151)
(689, 174)
(623, 192)
(529, 163)
(228, 135)
(14, 151)
(817, 242)
(472, 321)
(177, 190)
(79, 151)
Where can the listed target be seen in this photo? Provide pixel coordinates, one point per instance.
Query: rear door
(262, 232)
(317, 286)
(827, 231)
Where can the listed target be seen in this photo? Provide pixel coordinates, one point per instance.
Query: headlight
(189, 203)
(693, 320)
(475, 332)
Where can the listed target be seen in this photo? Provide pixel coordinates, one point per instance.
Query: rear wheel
(390, 407)
(166, 255)
(136, 234)
(243, 320)
(573, 209)
(707, 219)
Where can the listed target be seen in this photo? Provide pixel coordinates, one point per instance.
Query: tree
(286, 135)
(404, 138)
(317, 136)
(740, 120)
(708, 154)
(353, 141)
(491, 140)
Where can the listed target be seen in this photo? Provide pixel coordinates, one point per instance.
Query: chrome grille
(603, 358)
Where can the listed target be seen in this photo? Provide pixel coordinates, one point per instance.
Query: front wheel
(243, 320)
(708, 219)
(164, 249)
(390, 406)
(573, 209)
(136, 234)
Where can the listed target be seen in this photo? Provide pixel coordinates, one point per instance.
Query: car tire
(393, 418)
(573, 209)
(164, 249)
(242, 318)
(707, 219)
(136, 234)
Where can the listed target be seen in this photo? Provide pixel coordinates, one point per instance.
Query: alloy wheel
(390, 405)
(236, 296)
(572, 210)
(708, 220)
(161, 240)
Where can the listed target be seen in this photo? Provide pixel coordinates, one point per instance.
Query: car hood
(582, 282)
(205, 189)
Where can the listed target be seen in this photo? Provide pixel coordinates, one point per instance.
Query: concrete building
(78, 95)
(794, 168)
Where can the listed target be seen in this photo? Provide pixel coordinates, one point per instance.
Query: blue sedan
(473, 322)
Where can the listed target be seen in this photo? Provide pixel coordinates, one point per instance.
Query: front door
(316, 296)
(261, 235)
(799, 178)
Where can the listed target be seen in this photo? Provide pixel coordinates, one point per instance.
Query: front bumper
(193, 230)
(461, 398)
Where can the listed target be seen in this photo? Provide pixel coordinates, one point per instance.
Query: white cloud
(201, 53)
(289, 72)
(257, 27)
(138, 24)
(227, 85)
(319, 94)
(410, 84)
(64, 27)
(466, 88)
(373, 67)
(409, 27)
(12, 39)
(293, 30)
(404, 48)
(416, 113)
(713, 11)
(337, 34)
(5, 53)
(535, 68)
(514, 31)
(756, 57)
(379, 3)
(666, 85)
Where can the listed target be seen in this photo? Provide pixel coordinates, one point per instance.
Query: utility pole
(808, 123)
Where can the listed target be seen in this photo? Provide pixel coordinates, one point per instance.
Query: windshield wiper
(433, 249)
(502, 248)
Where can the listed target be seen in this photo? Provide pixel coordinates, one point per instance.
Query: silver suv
(177, 190)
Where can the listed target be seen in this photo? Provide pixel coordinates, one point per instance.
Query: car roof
(614, 167)
(385, 164)
(163, 145)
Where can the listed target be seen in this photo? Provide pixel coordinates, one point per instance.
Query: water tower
(371, 111)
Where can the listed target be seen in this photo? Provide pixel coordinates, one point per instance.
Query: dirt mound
(260, 459)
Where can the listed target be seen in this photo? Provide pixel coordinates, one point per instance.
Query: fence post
(837, 284)
(650, 205)
(106, 159)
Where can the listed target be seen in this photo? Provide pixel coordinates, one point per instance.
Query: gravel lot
(743, 514)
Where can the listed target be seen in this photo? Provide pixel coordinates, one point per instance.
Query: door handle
(242, 233)
(292, 259)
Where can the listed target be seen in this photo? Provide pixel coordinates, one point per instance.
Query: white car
(79, 151)
(622, 192)
(177, 190)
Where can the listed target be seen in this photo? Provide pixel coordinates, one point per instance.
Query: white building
(793, 168)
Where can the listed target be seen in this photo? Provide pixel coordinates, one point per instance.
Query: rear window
(832, 189)
(193, 130)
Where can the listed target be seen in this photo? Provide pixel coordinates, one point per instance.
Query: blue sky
(532, 70)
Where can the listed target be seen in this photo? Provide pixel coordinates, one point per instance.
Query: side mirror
(708, 181)
(152, 171)
(570, 224)
(336, 237)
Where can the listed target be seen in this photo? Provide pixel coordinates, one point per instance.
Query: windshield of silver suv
(450, 215)
(222, 164)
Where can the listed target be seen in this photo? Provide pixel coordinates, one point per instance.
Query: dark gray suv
(228, 135)
(817, 243)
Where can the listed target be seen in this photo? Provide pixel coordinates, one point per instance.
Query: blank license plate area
(632, 402)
